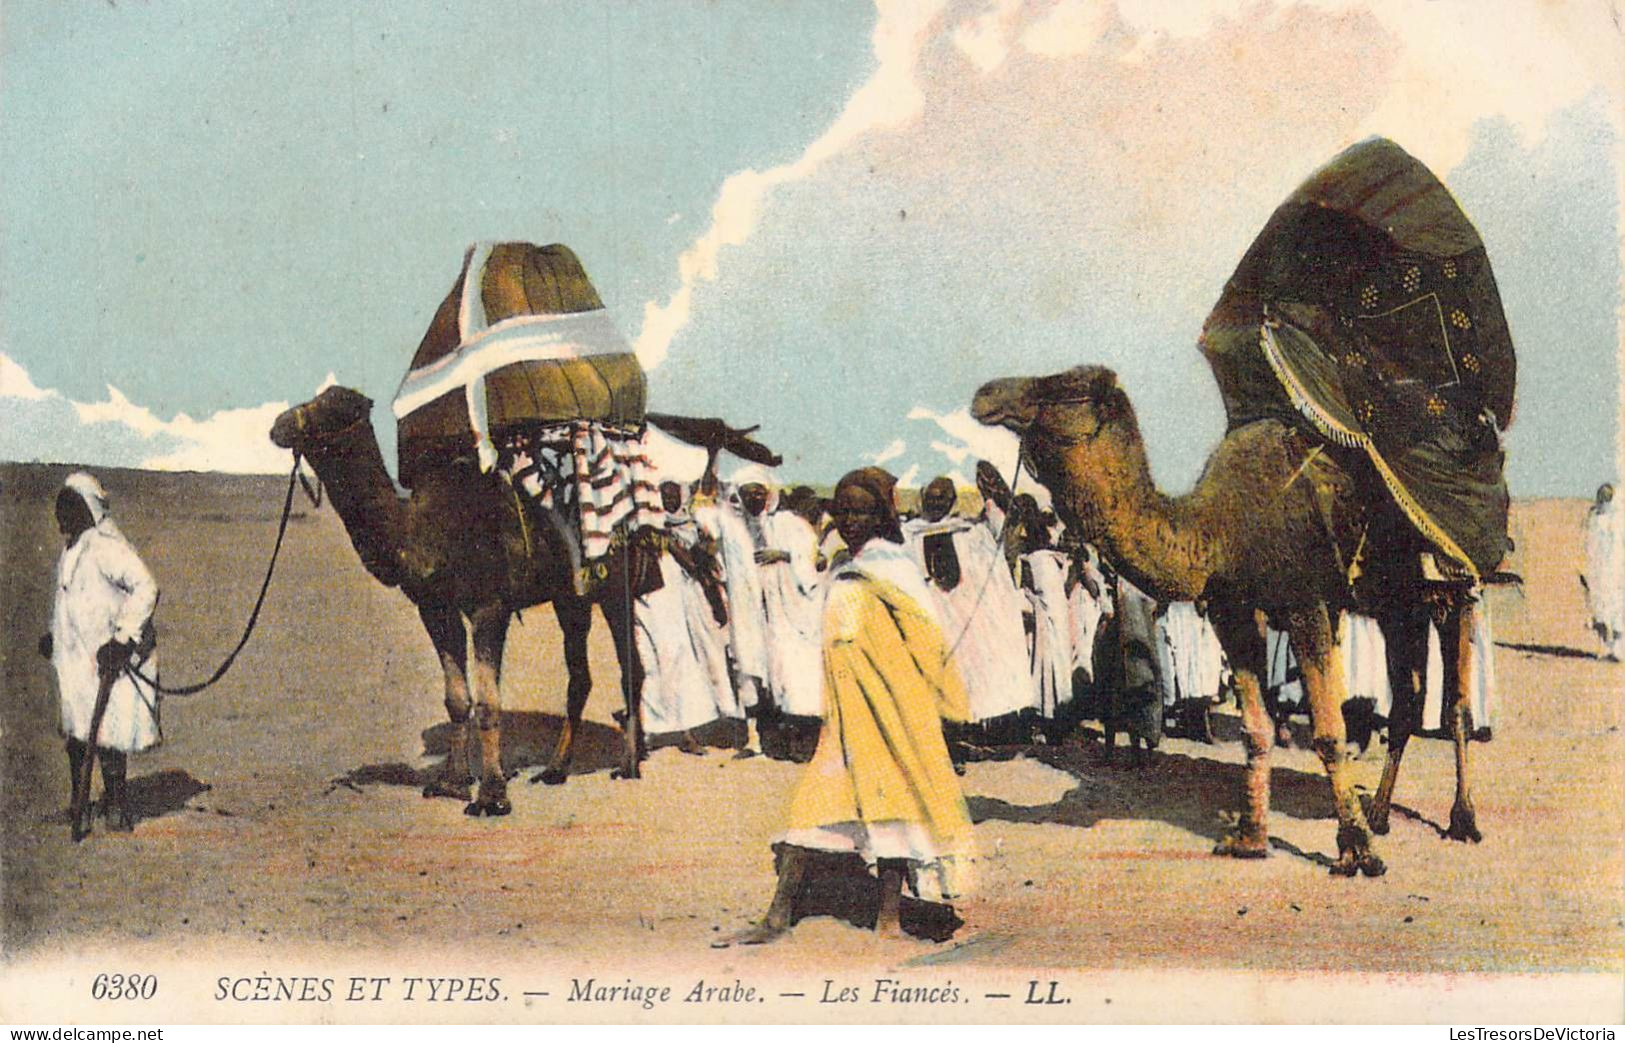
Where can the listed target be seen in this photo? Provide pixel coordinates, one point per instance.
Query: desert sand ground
(281, 826)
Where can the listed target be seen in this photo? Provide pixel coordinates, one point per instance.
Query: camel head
(1078, 434)
(1066, 408)
(310, 426)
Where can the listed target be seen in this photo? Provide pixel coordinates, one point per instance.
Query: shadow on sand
(528, 740)
(1183, 791)
(151, 796)
(163, 793)
(1561, 651)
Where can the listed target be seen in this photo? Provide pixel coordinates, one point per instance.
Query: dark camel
(458, 549)
(1266, 535)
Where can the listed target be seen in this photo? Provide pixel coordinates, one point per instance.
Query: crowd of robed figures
(885, 641)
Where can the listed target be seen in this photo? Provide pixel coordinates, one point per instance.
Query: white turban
(89, 490)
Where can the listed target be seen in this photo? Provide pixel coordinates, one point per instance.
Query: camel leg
(1456, 649)
(1407, 640)
(1314, 641)
(445, 626)
(618, 613)
(1241, 635)
(575, 620)
(490, 634)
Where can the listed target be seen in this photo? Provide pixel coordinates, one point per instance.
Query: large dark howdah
(1367, 374)
(456, 549)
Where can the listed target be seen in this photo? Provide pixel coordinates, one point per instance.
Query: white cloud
(897, 448)
(996, 445)
(43, 424)
(889, 98)
(230, 440)
(985, 39)
(120, 410)
(16, 383)
(909, 478)
(1071, 27)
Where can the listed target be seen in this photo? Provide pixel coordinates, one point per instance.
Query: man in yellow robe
(880, 784)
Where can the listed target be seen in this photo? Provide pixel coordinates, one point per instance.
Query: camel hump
(524, 326)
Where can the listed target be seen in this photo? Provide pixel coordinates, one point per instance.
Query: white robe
(793, 607)
(1482, 697)
(682, 648)
(1087, 610)
(103, 593)
(981, 618)
(1280, 664)
(747, 615)
(1605, 575)
(1189, 656)
(1365, 661)
(1052, 630)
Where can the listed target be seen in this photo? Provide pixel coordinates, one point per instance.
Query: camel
(1263, 537)
(461, 549)
(1367, 373)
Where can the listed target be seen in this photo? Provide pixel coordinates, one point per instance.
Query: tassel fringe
(1335, 431)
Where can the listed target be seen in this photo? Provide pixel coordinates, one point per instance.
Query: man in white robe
(1193, 668)
(723, 521)
(1044, 573)
(786, 555)
(681, 643)
(101, 639)
(977, 601)
(1089, 600)
(1604, 576)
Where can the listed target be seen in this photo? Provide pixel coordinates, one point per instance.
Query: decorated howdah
(522, 339)
(1367, 306)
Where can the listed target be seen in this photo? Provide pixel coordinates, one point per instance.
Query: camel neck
(1150, 537)
(351, 468)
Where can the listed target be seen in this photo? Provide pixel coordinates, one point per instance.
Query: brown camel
(1264, 536)
(1367, 374)
(461, 548)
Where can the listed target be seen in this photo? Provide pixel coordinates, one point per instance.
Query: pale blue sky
(213, 205)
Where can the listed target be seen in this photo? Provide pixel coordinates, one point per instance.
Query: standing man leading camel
(101, 623)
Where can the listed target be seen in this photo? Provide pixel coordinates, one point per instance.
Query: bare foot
(761, 934)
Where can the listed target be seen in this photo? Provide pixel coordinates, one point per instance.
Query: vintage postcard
(953, 511)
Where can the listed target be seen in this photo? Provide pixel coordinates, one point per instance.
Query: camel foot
(690, 746)
(552, 777)
(444, 787)
(1463, 824)
(625, 771)
(1354, 855)
(761, 934)
(1242, 844)
(120, 821)
(495, 807)
(1378, 821)
(493, 798)
(1353, 864)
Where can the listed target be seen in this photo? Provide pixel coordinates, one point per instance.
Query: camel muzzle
(1003, 403)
